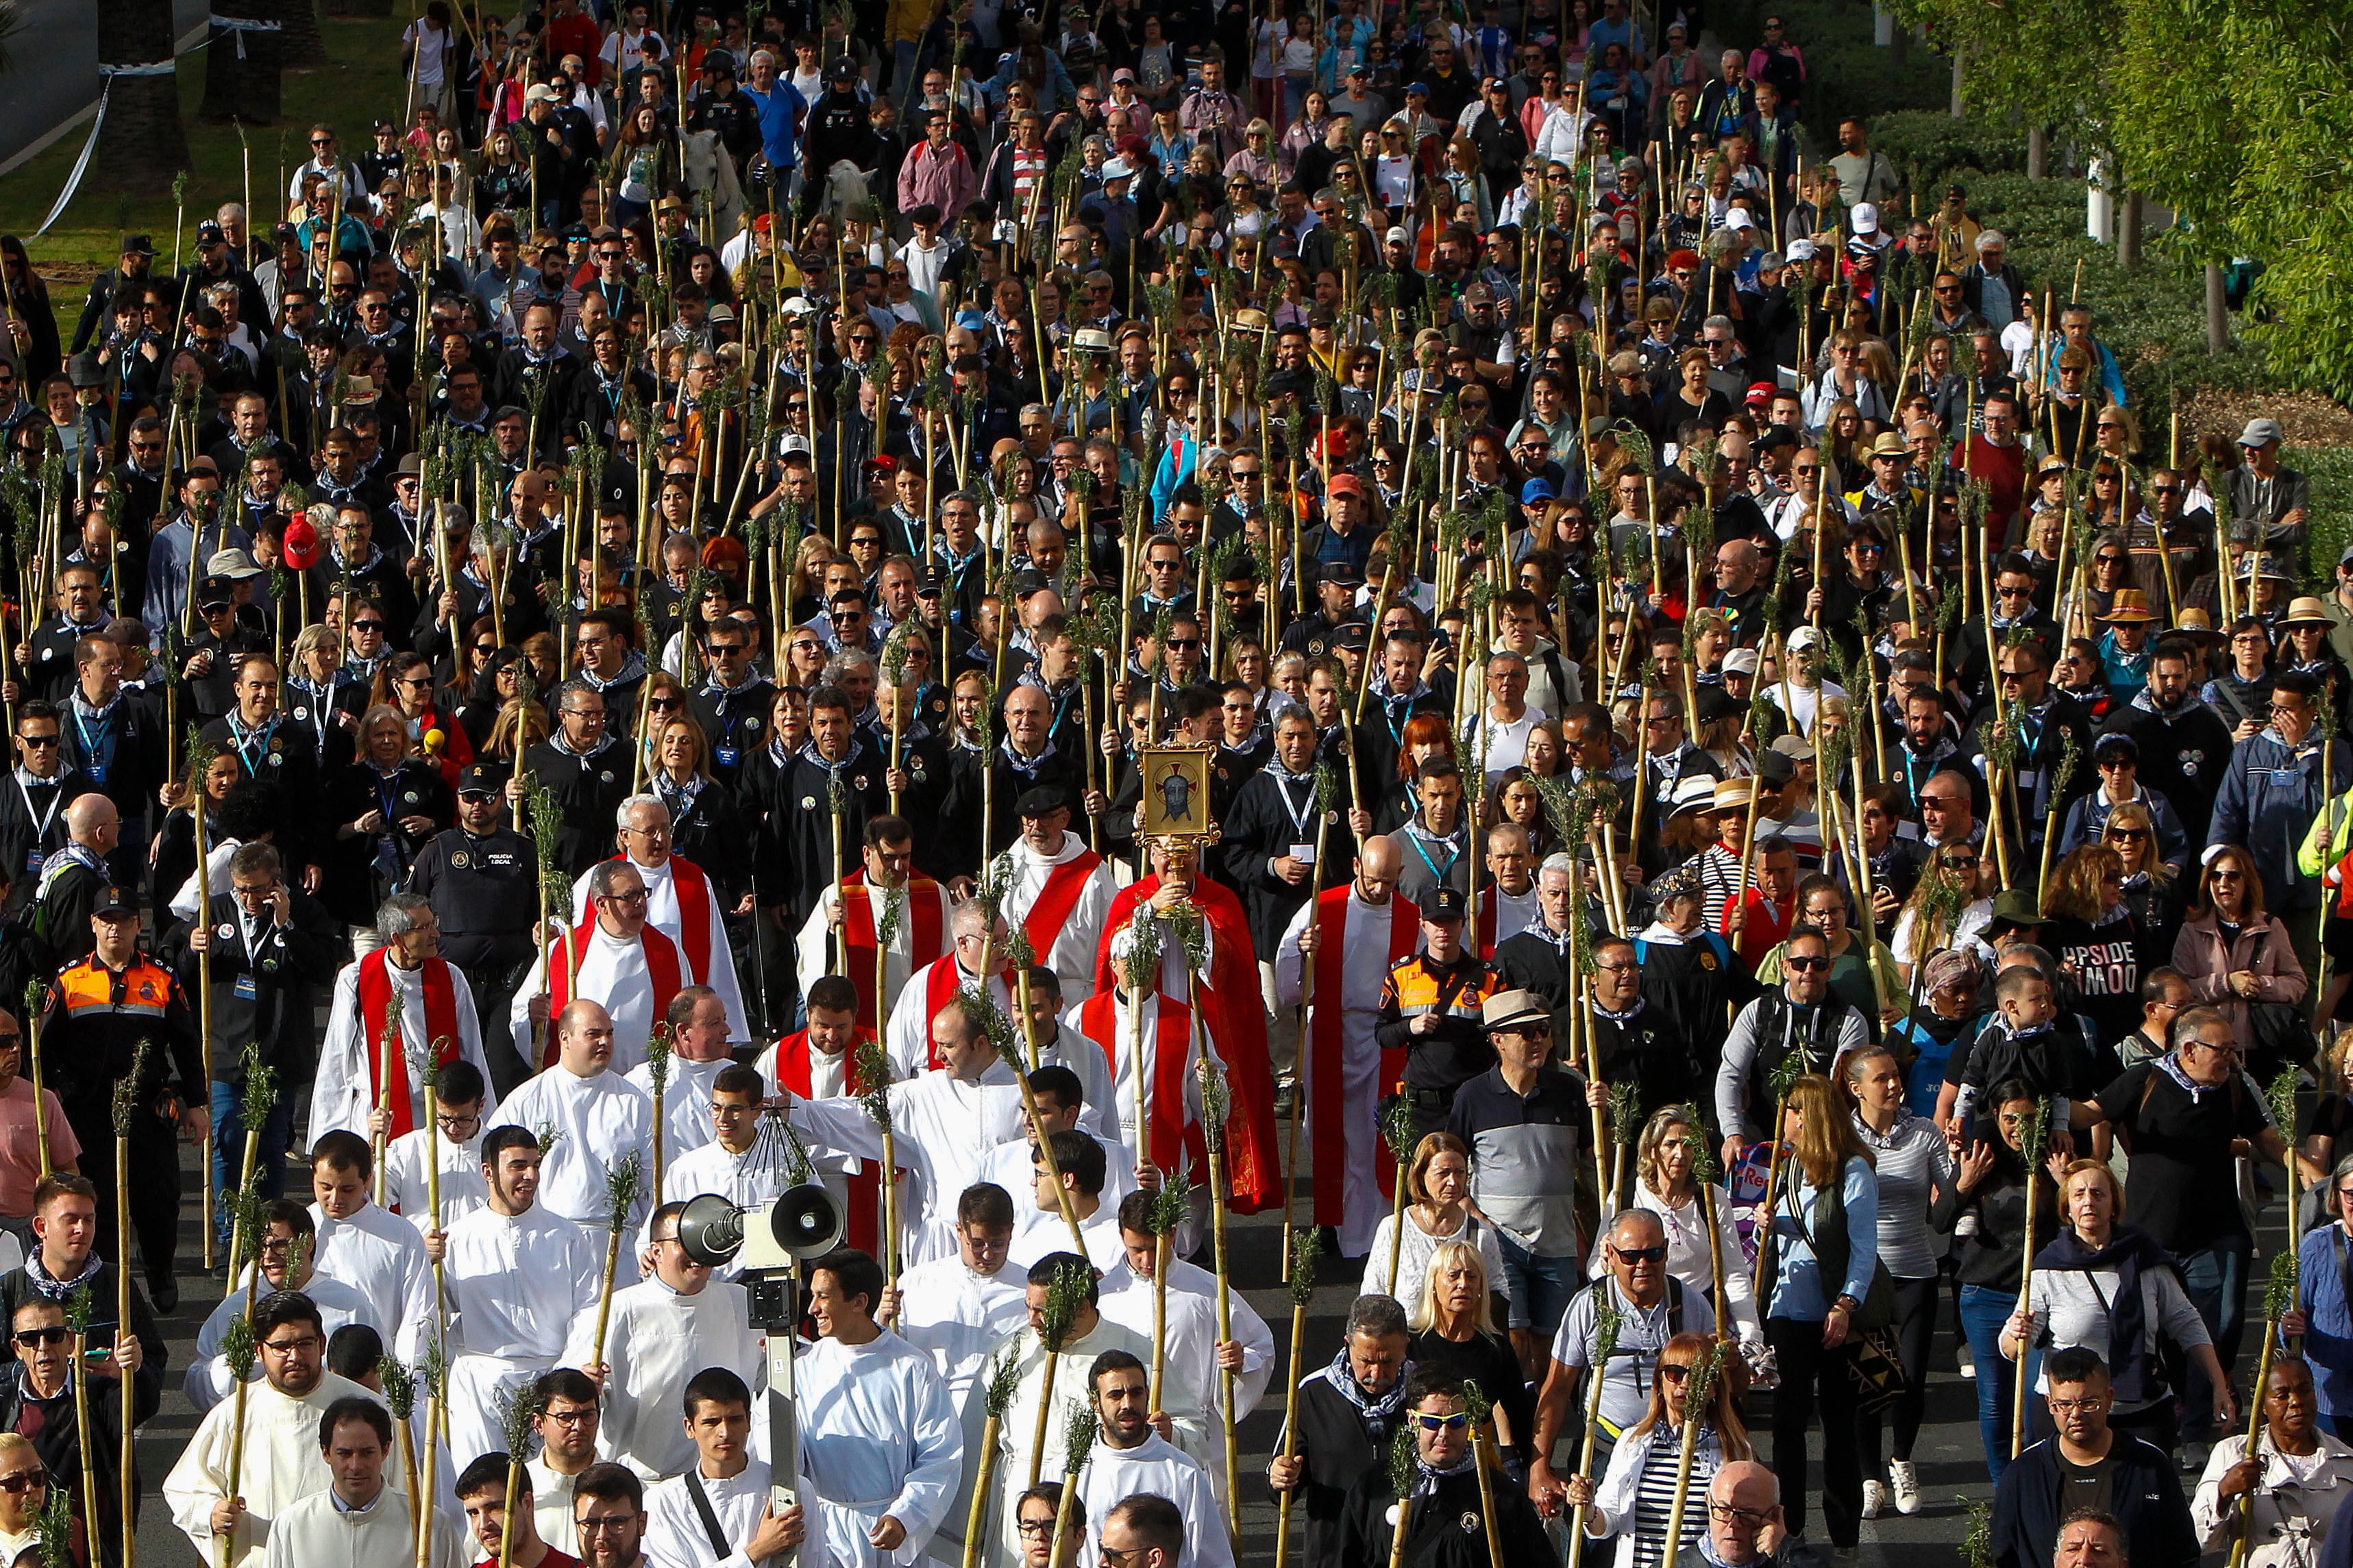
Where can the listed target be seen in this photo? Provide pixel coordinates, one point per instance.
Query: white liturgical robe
(1193, 1349)
(598, 1120)
(655, 1340)
(675, 1537)
(879, 1434)
(907, 1035)
(686, 1104)
(1364, 970)
(462, 1186)
(1072, 953)
(317, 1532)
(1121, 1052)
(208, 1381)
(757, 1175)
(1013, 1168)
(550, 1506)
(282, 1464)
(342, 1091)
(942, 1130)
(1160, 1468)
(663, 911)
(514, 1283)
(381, 1256)
(959, 1316)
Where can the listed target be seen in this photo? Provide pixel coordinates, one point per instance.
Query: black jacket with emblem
(286, 754)
(265, 992)
(484, 889)
(1260, 827)
(587, 791)
(1448, 1526)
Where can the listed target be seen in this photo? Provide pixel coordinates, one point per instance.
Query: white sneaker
(1904, 1482)
(1969, 1362)
(1875, 1498)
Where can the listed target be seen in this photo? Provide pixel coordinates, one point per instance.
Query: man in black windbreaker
(839, 129)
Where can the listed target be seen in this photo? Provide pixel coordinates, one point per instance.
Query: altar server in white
(598, 1119)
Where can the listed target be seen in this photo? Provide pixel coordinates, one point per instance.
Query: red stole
(865, 1217)
(1330, 1143)
(1055, 900)
(942, 981)
(693, 892)
(922, 912)
(1168, 1139)
(662, 968)
(379, 1004)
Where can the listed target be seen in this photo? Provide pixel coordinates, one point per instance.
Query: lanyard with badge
(97, 751)
(34, 856)
(1303, 842)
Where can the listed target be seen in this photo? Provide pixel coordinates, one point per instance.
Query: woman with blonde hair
(1956, 871)
(704, 826)
(1438, 1211)
(1820, 1255)
(2152, 885)
(2108, 1286)
(2094, 934)
(1663, 1184)
(1636, 1494)
(521, 724)
(323, 695)
(1453, 1319)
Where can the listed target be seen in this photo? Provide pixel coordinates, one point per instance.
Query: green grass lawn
(362, 83)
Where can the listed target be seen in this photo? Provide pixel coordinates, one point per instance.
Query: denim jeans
(2215, 1280)
(229, 1148)
(1983, 1312)
(1541, 1287)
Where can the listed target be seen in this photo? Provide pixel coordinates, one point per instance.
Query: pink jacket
(2264, 950)
(944, 179)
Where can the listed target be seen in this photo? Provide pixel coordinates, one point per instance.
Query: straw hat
(2132, 604)
(2304, 611)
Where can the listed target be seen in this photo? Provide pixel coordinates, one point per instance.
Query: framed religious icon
(1177, 792)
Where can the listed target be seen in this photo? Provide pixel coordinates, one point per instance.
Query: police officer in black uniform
(1336, 585)
(482, 878)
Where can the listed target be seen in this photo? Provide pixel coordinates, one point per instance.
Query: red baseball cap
(1345, 485)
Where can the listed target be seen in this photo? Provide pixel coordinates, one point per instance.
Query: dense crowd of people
(1059, 624)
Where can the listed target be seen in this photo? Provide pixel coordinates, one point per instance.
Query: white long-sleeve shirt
(463, 1188)
(515, 1282)
(318, 1532)
(282, 1465)
(1159, 1467)
(674, 1534)
(686, 1105)
(943, 1129)
(599, 1121)
(957, 1317)
(381, 1256)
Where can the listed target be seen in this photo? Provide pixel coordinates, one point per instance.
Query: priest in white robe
(681, 903)
(615, 959)
(885, 892)
(288, 1239)
(598, 1118)
(1368, 926)
(456, 1145)
(959, 1309)
(1055, 1088)
(357, 1521)
(700, 1033)
(1076, 1178)
(719, 1417)
(369, 1248)
(908, 1036)
(1131, 1456)
(1173, 1043)
(882, 1441)
(660, 1332)
(281, 1463)
(946, 1123)
(406, 977)
(515, 1276)
(1057, 889)
(570, 1426)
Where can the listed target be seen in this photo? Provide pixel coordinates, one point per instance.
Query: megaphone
(803, 1223)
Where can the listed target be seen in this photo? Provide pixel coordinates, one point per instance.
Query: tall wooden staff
(873, 1066)
(1397, 1132)
(35, 993)
(261, 1098)
(390, 1058)
(1326, 788)
(238, 1348)
(660, 1049)
(1698, 1386)
(518, 1409)
(200, 763)
(79, 1307)
(1170, 1202)
(399, 1386)
(1605, 1322)
(1064, 1297)
(1078, 1443)
(2038, 1135)
(433, 1374)
(1214, 1105)
(1484, 1462)
(1403, 1458)
(2278, 1296)
(620, 1196)
(1299, 1268)
(126, 1105)
(1003, 1379)
(1793, 1068)
(1704, 1172)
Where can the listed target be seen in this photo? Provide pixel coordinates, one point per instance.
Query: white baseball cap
(1866, 218)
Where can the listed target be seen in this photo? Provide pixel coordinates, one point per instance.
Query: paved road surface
(55, 76)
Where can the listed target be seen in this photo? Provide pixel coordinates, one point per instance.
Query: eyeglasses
(1037, 1529)
(1454, 1423)
(293, 1346)
(2087, 1404)
(1753, 1518)
(609, 1525)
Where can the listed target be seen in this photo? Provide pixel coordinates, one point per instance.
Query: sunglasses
(1454, 1423)
(18, 1481)
(1641, 1254)
(1805, 965)
(28, 1338)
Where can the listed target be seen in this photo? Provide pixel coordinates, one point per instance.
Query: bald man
(1355, 934)
(74, 878)
(598, 1116)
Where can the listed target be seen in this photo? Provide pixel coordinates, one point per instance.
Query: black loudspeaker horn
(805, 1222)
(710, 1230)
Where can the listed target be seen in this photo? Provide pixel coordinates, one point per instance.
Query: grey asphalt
(53, 74)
